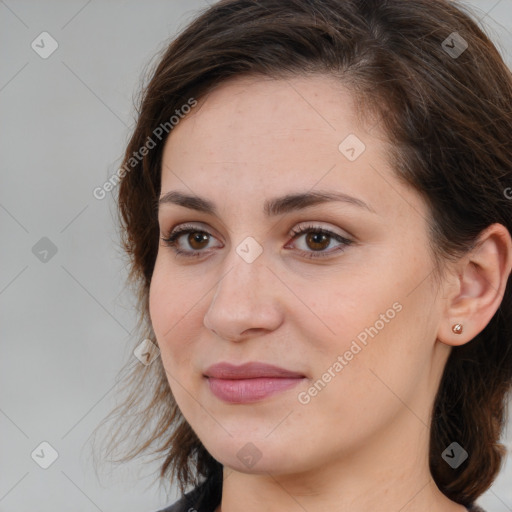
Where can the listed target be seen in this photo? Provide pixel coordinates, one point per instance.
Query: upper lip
(250, 370)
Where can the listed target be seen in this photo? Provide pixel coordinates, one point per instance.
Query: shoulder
(476, 508)
(182, 505)
(187, 503)
(203, 498)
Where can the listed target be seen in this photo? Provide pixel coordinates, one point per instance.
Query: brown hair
(449, 119)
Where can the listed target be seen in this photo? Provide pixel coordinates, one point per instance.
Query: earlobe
(483, 274)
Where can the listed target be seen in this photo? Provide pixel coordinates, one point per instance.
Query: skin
(361, 443)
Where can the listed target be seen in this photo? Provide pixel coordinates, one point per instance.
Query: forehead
(269, 114)
(261, 136)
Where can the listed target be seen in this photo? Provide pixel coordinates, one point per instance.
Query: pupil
(315, 240)
(199, 237)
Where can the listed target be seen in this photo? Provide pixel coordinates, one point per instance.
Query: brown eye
(188, 240)
(197, 240)
(317, 241)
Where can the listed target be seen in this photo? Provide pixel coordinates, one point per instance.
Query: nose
(246, 302)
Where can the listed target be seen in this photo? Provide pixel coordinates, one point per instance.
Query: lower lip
(239, 391)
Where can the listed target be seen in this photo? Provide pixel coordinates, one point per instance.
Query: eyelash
(171, 240)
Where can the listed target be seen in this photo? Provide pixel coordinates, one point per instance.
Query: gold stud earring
(457, 328)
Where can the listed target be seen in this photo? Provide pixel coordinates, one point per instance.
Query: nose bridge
(244, 298)
(247, 270)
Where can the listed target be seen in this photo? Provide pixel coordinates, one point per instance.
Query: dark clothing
(203, 498)
(206, 498)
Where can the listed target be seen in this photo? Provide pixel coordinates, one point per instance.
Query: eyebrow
(272, 207)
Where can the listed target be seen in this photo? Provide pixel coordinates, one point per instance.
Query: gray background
(65, 322)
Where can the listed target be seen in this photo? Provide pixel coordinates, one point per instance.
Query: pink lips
(249, 382)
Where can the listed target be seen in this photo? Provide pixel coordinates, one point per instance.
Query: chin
(253, 454)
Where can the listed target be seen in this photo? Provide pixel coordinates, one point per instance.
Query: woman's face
(353, 313)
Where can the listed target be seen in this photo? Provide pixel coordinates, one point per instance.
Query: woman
(316, 203)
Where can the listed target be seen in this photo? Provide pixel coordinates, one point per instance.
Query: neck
(378, 476)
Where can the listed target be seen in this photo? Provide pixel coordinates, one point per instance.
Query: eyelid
(184, 228)
(318, 225)
(193, 225)
(301, 225)
(175, 233)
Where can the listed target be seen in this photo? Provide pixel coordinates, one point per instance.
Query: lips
(250, 382)
(249, 371)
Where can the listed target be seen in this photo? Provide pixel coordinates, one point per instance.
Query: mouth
(250, 382)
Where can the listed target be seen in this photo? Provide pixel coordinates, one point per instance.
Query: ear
(477, 286)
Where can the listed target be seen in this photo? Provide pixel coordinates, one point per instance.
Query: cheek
(159, 297)
(176, 307)
(336, 308)
(168, 311)
(170, 299)
(375, 316)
